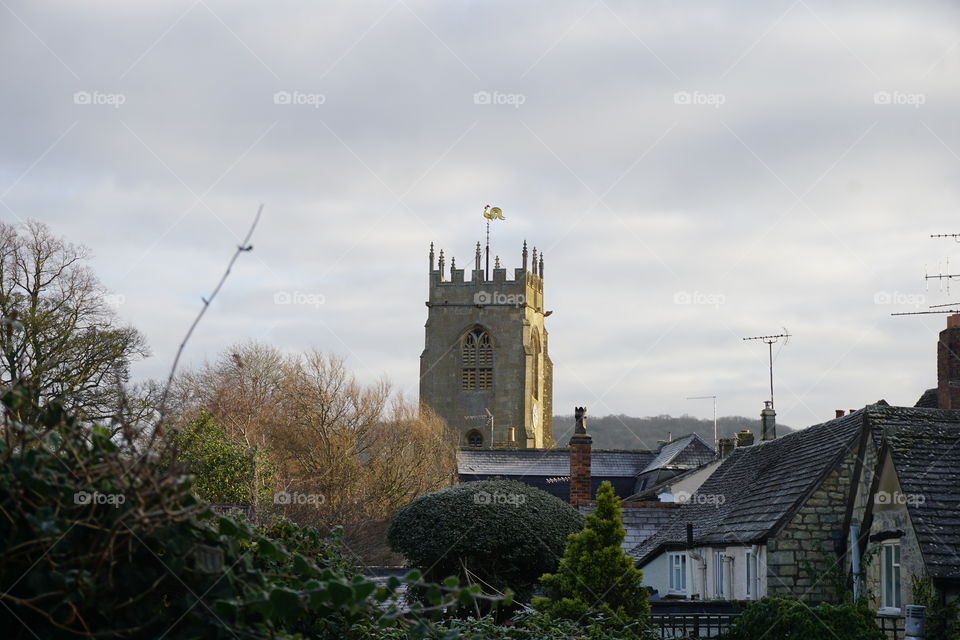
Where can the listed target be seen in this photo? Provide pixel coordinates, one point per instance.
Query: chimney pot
(768, 421)
(726, 446)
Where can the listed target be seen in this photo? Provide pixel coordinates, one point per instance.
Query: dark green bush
(595, 575)
(500, 534)
(788, 619)
(101, 542)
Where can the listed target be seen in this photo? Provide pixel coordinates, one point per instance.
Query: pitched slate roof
(687, 452)
(640, 521)
(929, 399)
(753, 490)
(924, 445)
(548, 463)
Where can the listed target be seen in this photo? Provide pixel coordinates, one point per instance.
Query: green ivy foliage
(501, 534)
(789, 619)
(595, 575)
(101, 541)
(224, 470)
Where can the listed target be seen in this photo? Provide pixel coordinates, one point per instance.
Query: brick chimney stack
(580, 446)
(948, 365)
(768, 422)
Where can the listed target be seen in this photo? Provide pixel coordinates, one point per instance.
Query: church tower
(485, 367)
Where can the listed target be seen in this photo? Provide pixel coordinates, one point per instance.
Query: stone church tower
(485, 367)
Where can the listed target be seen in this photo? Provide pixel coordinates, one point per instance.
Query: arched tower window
(536, 364)
(475, 439)
(476, 354)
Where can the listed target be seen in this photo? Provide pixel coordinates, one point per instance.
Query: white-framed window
(890, 575)
(718, 574)
(751, 570)
(678, 572)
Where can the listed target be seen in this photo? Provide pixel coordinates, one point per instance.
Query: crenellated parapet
(522, 287)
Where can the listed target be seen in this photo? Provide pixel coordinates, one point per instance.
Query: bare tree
(71, 346)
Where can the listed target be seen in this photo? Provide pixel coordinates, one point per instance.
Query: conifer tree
(594, 573)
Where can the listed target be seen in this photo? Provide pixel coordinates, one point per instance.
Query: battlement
(454, 288)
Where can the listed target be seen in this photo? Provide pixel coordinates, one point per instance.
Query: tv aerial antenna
(770, 341)
(940, 276)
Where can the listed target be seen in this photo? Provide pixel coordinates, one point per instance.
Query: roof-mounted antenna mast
(944, 276)
(770, 340)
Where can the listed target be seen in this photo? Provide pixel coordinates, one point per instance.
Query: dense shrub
(498, 533)
(788, 619)
(101, 542)
(595, 575)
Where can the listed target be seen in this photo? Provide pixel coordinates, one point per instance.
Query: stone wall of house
(801, 561)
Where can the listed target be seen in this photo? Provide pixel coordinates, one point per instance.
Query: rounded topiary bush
(497, 533)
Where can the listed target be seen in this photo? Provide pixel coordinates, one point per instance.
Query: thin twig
(243, 247)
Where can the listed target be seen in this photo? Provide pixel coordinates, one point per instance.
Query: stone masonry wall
(801, 560)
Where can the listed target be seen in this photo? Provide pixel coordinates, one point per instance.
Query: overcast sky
(695, 172)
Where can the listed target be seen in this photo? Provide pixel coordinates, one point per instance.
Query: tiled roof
(756, 487)
(548, 463)
(640, 521)
(688, 451)
(929, 399)
(924, 445)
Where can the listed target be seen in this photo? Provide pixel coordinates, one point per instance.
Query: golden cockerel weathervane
(490, 213)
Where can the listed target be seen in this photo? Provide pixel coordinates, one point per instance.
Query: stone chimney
(580, 446)
(948, 365)
(745, 438)
(768, 421)
(726, 446)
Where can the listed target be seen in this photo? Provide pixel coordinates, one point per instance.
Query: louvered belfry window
(476, 353)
